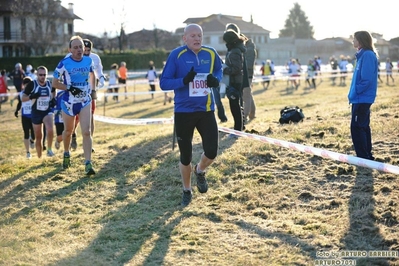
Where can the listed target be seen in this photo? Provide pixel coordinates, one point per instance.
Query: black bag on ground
(291, 114)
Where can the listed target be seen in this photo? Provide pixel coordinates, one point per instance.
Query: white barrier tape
(319, 152)
(301, 76)
(143, 121)
(388, 168)
(132, 93)
(9, 94)
(102, 93)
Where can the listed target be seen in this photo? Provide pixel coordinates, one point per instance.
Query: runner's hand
(34, 95)
(211, 81)
(101, 82)
(190, 76)
(75, 91)
(52, 103)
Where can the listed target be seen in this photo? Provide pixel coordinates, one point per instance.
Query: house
(215, 25)
(36, 27)
(147, 39)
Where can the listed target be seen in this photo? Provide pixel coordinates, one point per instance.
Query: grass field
(266, 205)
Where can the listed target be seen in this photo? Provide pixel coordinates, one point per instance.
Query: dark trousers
(28, 128)
(206, 125)
(360, 130)
(236, 108)
(313, 82)
(220, 108)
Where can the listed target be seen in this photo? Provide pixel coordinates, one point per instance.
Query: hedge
(135, 60)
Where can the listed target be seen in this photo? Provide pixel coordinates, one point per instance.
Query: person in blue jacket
(192, 70)
(362, 93)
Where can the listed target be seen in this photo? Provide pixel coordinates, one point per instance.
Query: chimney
(70, 8)
(58, 5)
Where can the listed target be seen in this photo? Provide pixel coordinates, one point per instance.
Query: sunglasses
(42, 75)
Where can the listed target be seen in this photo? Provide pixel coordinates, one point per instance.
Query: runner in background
(100, 80)
(26, 119)
(122, 79)
(76, 99)
(3, 88)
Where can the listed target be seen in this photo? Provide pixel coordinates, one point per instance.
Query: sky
(334, 18)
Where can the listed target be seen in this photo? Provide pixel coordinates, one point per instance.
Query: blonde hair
(75, 37)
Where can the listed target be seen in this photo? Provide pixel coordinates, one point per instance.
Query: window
(65, 28)
(7, 51)
(18, 52)
(68, 29)
(7, 28)
(52, 26)
(38, 25)
(23, 28)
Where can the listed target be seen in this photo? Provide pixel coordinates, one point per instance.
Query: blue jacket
(177, 66)
(363, 88)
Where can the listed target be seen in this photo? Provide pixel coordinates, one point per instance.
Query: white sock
(199, 171)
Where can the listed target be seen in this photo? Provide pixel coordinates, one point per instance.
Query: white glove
(101, 82)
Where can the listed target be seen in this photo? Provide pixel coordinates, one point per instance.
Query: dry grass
(267, 205)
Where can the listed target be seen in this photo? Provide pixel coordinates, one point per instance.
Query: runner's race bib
(26, 108)
(42, 103)
(81, 97)
(198, 87)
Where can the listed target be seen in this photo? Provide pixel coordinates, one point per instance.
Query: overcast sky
(336, 18)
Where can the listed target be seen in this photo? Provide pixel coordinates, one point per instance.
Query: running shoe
(57, 145)
(28, 155)
(186, 199)
(202, 184)
(50, 153)
(74, 144)
(89, 169)
(66, 163)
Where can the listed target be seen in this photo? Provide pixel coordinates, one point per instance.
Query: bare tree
(38, 22)
(120, 28)
(156, 37)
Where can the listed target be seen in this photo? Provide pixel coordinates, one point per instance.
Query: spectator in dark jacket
(249, 57)
(235, 64)
(17, 75)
